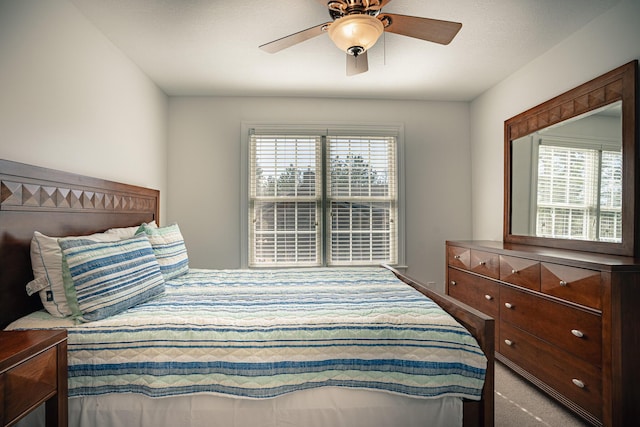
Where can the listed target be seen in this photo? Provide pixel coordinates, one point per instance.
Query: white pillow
(46, 262)
(128, 232)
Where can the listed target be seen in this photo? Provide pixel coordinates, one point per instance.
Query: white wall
(204, 170)
(610, 40)
(70, 100)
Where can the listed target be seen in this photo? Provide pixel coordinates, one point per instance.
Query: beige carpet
(520, 404)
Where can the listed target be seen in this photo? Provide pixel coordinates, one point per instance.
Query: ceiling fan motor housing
(340, 8)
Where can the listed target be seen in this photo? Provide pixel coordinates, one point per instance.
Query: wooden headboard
(57, 204)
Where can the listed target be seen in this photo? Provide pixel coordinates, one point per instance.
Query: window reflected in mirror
(567, 179)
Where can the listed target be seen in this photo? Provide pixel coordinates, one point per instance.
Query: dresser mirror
(570, 168)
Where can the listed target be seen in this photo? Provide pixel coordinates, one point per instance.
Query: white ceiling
(210, 47)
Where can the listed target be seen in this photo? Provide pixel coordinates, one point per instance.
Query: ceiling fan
(357, 25)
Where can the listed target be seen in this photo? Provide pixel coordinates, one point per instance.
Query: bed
(142, 383)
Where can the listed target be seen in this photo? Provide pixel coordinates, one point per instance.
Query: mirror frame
(619, 84)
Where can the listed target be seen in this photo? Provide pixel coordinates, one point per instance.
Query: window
(362, 200)
(322, 199)
(285, 200)
(579, 193)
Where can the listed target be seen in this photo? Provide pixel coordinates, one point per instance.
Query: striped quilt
(260, 334)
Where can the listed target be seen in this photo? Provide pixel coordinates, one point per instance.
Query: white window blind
(611, 197)
(362, 197)
(306, 209)
(285, 199)
(577, 195)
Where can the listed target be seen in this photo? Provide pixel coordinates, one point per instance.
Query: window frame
(321, 129)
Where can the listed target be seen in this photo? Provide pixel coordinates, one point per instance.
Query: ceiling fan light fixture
(355, 33)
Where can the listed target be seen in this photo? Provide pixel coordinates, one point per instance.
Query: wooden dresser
(567, 321)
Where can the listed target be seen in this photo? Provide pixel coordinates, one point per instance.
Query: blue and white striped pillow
(109, 277)
(168, 245)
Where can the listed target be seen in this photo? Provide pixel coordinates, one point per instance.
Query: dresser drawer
(458, 257)
(571, 376)
(520, 271)
(485, 263)
(572, 329)
(481, 262)
(578, 285)
(31, 381)
(478, 292)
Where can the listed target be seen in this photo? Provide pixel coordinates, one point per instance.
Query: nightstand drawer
(33, 370)
(31, 381)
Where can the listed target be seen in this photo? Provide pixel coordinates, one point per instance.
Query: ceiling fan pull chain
(384, 48)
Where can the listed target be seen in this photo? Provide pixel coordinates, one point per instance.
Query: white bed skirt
(322, 407)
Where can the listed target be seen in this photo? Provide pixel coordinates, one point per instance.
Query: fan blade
(357, 64)
(293, 39)
(432, 30)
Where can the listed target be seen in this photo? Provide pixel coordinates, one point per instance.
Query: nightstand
(33, 370)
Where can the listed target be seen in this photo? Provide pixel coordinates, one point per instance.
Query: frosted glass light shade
(355, 31)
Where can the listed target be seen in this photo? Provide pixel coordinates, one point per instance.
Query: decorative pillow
(46, 262)
(110, 277)
(169, 248)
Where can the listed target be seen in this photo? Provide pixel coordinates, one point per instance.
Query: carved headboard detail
(64, 198)
(57, 204)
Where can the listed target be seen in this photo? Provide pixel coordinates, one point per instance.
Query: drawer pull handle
(577, 333)
(563, 283)
(488, 297)
(453, 283)
(482, 263)
(514, 271)
(456, 257)
(508, 342)
(508, 305)
(577, 383)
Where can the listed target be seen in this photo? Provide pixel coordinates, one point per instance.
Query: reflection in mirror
(567, 178)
